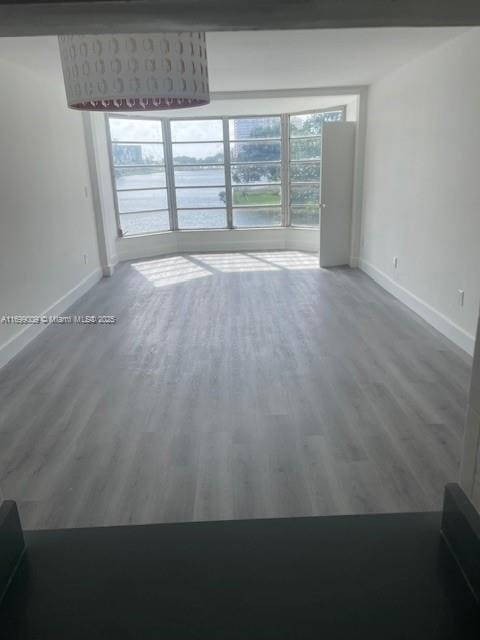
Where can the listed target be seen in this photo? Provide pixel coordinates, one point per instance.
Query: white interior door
(338, 149)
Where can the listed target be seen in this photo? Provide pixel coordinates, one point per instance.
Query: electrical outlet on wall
(395, 262)
(461, 297)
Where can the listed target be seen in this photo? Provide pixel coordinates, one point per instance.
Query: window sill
(147, 234)
(166, 233)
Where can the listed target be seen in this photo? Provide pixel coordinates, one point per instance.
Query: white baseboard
(354, 262)
(28, 333)
(438, 320)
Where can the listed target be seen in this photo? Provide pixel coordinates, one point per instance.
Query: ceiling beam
(40, 17)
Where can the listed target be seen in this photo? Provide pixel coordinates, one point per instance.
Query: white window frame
(279, 162)
(295, 183)
(170, 176)
(206, 164)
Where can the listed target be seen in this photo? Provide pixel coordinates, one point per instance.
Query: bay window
(217, 173)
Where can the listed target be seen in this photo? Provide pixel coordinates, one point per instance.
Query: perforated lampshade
(135, 72)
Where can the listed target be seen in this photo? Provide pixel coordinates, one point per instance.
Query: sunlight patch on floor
(288, 259)
(167, 271)
(176, 269)
(234, 262)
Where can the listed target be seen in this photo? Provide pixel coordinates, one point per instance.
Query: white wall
(46, 218)
(249, 60)
(422, 185)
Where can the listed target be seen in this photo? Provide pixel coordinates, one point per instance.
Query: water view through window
(217, 173)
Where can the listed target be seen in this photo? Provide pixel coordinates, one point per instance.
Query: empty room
(239, 281)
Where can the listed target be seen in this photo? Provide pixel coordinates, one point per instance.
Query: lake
(192, 201)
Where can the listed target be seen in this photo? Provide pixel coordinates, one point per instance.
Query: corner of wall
(96, 144)
(359, 171)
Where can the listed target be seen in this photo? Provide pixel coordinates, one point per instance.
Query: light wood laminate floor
(243, 385)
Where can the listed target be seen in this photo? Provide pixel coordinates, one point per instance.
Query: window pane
(133, 223)
(305, 216)
(199, 176)
(255, 173)
(131, 130)
(129, 201)
(305, 149)
(200, 153)
(245, 128)
(251, 196)
(137, 154)
(196, 130)
(333, 116)
(206, 219)
(305, 195)
(254, 151)
(202, 197)
(257, 217)
(139, 178)
(309, 124)
(304, 172)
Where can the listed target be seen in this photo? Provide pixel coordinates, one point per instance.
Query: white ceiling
(248, 60)
(266, 60)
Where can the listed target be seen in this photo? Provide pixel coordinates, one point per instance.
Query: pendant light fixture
(135, 72)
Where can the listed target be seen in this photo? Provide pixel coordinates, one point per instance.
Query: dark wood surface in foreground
(461, 531)
(375, 577)
(247, 385)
